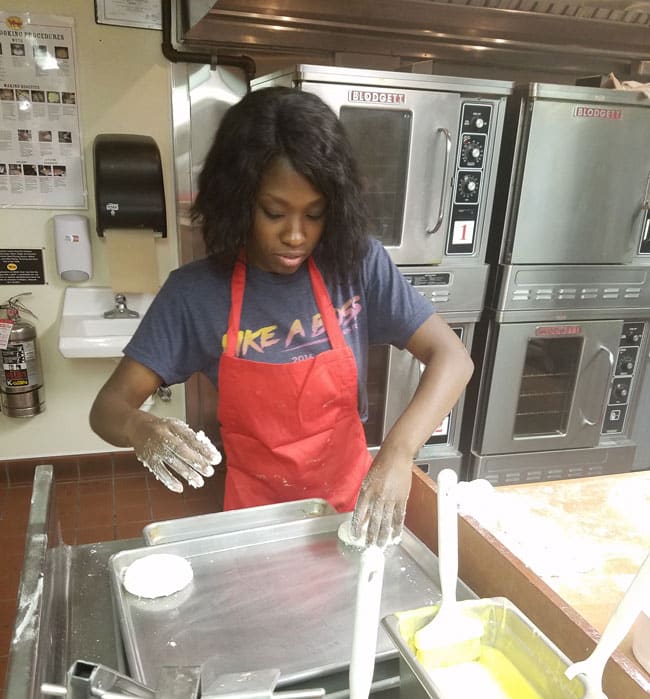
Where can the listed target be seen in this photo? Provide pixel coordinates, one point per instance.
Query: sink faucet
(121, 310)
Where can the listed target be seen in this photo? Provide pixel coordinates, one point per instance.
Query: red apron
(291, 431)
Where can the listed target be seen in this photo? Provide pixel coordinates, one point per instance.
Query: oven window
(547, 386)
(380, 139)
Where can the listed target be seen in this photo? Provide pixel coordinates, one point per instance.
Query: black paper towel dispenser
(129, 191)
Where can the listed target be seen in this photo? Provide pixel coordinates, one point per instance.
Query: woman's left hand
(382, 498)
(384, 492)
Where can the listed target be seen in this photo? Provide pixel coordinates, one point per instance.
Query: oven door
(583, 182)
(393, 376)
(548, 386)
(405, 147)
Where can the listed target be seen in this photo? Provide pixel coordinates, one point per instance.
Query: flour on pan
(157, 575)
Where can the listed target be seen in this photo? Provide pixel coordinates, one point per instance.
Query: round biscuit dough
(157, 575)
(345, 536)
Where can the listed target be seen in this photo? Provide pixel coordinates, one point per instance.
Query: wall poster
(145, 14)
(41, 150)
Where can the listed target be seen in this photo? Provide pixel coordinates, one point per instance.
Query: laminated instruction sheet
(41, 150)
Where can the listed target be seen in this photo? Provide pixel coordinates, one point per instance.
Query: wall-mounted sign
(145, 14)
(21, 266)
(41, 151)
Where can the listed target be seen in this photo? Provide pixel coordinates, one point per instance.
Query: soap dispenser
(74, 260)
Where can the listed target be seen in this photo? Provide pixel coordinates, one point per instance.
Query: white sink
(84, 331)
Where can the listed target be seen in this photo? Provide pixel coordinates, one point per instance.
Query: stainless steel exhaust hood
(607, 35)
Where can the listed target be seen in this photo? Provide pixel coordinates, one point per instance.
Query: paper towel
(132, 264)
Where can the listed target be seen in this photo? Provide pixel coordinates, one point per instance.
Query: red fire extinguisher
(21, 378)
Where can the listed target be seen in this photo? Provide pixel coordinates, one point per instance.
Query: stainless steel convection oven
(569, 320)
(427, 148)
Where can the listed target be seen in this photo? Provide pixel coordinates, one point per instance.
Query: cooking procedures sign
(41, 161)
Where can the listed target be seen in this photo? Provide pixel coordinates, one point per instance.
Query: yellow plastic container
(517, 660)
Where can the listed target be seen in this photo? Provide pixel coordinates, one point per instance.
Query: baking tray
(280, 596)
(234, 520)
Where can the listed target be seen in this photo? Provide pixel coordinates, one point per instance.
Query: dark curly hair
(270, 123)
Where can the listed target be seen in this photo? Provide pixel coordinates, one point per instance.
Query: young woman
(279, 315)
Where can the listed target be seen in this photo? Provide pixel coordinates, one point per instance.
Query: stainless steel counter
(66, 611)
(64, 608)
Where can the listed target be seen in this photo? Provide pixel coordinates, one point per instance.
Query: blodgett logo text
(598, 113)
(376, 97)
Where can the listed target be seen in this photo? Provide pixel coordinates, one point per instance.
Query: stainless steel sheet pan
(234, 520)
(280, 596)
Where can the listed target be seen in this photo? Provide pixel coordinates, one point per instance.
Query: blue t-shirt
(185, 326)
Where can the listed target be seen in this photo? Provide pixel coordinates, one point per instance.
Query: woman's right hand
(168, 446)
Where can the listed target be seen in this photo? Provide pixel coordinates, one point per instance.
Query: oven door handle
(612, 362)
(646, 197)
(441, 211)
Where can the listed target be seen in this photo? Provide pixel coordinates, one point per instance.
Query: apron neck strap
(325, 306)
(237, 286)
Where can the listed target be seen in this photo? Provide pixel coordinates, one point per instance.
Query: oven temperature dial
(471, 154)
(626, 361)
(620, 391)
(632, 337)
(467, 186)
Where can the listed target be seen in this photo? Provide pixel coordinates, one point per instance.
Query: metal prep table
(67, 610)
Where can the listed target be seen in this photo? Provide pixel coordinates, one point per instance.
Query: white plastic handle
(617, 627)
(447, 535)
(366, 621)
(625, 614)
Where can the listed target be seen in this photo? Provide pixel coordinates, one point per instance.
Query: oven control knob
(620, 392)
(478, 122)
(631, 335)
(467, 187)
(472, 153)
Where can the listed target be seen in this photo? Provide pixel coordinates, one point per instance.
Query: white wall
(123, 87)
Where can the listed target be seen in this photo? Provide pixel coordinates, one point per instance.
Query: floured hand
(168, 446)
(381, 505)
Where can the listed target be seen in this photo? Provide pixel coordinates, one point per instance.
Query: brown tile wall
(100, 497)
